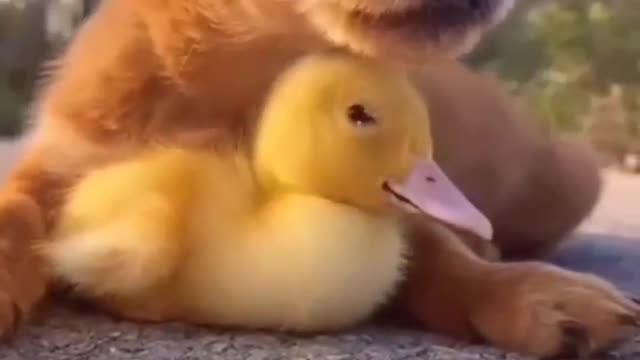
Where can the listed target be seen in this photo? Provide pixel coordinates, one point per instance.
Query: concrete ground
(608, 239)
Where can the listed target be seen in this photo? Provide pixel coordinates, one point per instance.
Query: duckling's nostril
(430, 179)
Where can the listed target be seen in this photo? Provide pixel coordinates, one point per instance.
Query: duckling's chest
(303, 264)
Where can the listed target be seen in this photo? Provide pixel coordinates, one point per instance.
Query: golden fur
(191, 73)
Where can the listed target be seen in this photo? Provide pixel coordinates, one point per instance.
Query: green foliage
(565, 57)
(25, 42)
(11, 106)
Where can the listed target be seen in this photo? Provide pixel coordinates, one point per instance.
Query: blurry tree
(23, 47)
(565, 56)
(30, 33)
(512, 50)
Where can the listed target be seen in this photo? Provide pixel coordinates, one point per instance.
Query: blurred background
(575, 63)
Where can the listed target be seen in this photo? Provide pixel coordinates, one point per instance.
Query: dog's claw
(629, 320)
(9, 335)
(633, 297)
(577, 343)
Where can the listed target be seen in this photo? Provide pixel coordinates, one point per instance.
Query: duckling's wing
(119, 230)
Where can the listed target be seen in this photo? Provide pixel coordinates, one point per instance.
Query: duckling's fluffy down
(187, 229)
(121, 222)
(304, 264)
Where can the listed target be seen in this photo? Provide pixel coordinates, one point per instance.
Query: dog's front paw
(548, 312)
(23, 281)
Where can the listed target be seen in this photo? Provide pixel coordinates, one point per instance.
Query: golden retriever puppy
(194, 72)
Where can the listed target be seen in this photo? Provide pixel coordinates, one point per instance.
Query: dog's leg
(531, 308)
(27, 207)
(561, 192)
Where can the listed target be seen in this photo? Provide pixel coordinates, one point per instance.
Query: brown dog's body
(194, 73)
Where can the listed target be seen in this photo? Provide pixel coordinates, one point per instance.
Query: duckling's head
(355, 131)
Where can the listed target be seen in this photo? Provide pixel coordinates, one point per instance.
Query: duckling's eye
(359, 116)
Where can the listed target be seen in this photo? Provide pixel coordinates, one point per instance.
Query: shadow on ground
(616, 258)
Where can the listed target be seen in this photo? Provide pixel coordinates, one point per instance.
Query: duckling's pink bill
(429, 190)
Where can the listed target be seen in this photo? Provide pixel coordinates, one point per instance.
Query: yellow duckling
(302, 236)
